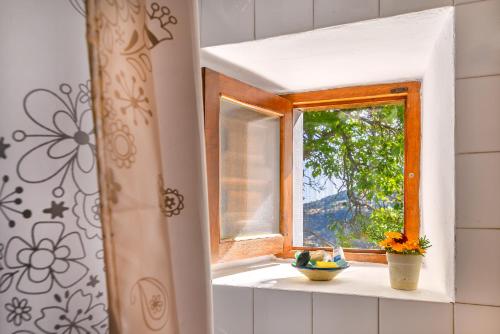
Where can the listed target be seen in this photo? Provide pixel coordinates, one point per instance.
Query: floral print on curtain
(52, 277)
(121, 34)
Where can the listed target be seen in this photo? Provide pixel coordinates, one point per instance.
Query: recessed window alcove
(412, 47)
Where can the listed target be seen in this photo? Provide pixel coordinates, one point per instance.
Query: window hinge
(399, 90)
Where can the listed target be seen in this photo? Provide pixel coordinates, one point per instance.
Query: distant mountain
(318, 215)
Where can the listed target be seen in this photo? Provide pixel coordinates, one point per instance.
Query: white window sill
(361, 279)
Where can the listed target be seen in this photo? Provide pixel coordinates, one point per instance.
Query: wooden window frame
(407, 93)
(216, 85)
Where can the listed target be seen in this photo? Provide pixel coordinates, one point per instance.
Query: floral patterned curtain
(121, 35)
(62, 158)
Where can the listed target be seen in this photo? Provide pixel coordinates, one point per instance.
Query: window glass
(249, 171)
(353, 175)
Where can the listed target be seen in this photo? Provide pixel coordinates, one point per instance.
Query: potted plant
(404, 257)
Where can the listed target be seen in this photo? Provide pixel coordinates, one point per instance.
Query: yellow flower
(386, 243)
(398, 247)
(412, 245)
(393, 235)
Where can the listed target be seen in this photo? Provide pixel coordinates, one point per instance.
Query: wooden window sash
(217, 86)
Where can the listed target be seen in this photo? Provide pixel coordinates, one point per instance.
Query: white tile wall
(409, 317)
(477, 39)
(282, 312)
(395, 7)
(333, 12)
(477, 175)
(478, 114)
(478, 190)
(280, 17)
(478, 266)
(226, 21)
(340, 314)
(233, 310)
(475, 319)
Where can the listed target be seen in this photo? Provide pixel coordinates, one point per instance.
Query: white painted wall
(342, 56)
(368, 52)
(438, 163)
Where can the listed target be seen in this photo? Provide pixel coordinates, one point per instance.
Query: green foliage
(424, 243)
(363, 149)
(383, 220)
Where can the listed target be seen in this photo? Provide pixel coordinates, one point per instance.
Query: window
(248, 168)
(249, 171)
(308, 170)
(352, 175)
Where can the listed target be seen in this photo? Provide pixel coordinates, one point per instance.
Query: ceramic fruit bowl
(320, 274)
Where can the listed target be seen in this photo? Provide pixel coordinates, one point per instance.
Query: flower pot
(404, 270)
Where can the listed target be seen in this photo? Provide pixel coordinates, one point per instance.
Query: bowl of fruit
(320, 265)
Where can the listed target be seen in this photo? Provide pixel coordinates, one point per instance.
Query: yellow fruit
(323, 264)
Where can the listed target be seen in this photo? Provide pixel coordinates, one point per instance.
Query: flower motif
(9, 205)
(120, 144)
(156, 30)
(156, 304)
(18, 311)
(171, 201)
(79, 315)
(49, 256)
(87, 211)
(65, 140)
(133, 98)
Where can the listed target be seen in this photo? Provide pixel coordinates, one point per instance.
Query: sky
(311, 195)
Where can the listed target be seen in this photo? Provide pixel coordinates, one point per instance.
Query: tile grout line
(253, 310)
(312, 313)
(453, 318)
(476, 152)
(314, 9)
(378, 315)
(469, 3)
(254, 20)
(478, 228)
(486, 305)
(477, 76)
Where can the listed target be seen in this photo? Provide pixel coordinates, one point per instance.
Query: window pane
(249, 171)
(353, 161)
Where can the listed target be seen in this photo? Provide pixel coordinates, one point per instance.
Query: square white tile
(477, 29)
(333, 12)
(226, 21)
(478, 190)
(282, 312)
(396, 7)
(281, 17)
(233, 310)
(478, 267)
(340, 314)
(475, 319)
(409, 317)
(478, 114)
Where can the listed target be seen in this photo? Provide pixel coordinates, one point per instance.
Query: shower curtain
(129, 157)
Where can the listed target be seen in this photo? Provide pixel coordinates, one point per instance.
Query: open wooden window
(249, 168)
(251, 213)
